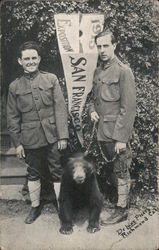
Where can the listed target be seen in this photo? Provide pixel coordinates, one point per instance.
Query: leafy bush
(135, 25)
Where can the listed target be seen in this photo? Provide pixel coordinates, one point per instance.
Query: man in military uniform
(37, 122)
(113, 106)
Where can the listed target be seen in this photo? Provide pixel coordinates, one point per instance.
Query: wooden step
(12, 180)
(5, 140)
(8, 151)
(13, 170)
(11, 192)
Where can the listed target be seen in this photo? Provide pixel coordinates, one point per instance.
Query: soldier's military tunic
(37, 119)
(114, 99)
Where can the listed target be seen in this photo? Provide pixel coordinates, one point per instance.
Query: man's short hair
(28, 45)
(104, 33)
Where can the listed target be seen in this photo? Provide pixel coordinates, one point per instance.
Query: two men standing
(37, 122)
(37, 119)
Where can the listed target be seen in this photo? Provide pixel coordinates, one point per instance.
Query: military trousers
(120, 167)
(38, 159)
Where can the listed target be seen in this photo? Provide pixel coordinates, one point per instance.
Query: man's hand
(119, 146)
(94, 116)
(20, 152)
(62, 144)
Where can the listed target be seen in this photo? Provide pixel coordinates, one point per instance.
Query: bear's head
(79, 167)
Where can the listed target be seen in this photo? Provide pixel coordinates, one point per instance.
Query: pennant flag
(75, 34)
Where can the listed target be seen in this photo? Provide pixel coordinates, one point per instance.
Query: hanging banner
(75, 34)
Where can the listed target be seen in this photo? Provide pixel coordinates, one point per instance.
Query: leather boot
(33, 215)
(120, 214)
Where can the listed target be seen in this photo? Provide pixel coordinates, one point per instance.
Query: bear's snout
(79, 174)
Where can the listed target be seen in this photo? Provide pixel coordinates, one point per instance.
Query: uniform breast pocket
(110, 91)
(47, 95)
(24, 100)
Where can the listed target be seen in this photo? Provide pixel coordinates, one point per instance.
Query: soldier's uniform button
(36, 97)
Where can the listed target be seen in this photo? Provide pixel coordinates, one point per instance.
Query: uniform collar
(105, 65)
(31, 75)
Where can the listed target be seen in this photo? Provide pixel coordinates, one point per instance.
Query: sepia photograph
(79, 125)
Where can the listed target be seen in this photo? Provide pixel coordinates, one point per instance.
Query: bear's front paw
(66, 230)
(94, 229)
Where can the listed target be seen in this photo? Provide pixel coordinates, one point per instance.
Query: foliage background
(135, 24)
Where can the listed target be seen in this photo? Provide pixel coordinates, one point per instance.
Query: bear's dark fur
(79, 183)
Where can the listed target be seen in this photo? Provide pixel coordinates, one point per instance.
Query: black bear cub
(79, 183)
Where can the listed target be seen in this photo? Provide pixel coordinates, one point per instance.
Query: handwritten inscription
(136, 222)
